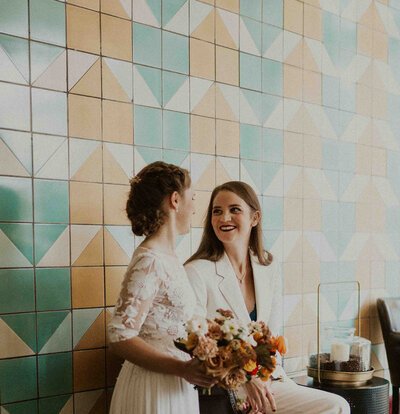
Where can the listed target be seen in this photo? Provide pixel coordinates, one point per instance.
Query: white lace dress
(156, 299)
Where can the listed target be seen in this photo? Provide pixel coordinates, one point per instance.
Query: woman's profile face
(232, 219)
(185, 211)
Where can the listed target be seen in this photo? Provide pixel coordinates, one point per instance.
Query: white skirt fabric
(291, 398)
(139, 391)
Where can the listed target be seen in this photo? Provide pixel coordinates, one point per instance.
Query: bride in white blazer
(231, 270)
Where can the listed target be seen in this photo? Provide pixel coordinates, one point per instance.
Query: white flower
(197, 325)
(230, 329)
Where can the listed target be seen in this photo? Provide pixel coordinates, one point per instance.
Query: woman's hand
(193, 372)
(259, 395)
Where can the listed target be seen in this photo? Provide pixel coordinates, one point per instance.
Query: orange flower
(257, 336)
(279, 344)
(265, 374)
(192, 341)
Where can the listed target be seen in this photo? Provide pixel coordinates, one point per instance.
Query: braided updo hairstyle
(149, 188)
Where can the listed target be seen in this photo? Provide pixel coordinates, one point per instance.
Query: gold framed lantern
(346, 360)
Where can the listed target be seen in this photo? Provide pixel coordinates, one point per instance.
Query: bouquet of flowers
(231, 351)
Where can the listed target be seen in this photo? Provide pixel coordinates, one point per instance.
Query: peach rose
(233, 379)
(205, 348)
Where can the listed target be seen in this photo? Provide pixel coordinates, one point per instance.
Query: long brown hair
(211, 248)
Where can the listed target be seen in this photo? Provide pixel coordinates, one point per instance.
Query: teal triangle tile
(269, 172)
(20, 408)
(333, 179)
(42, 56)
(61, 339)
(343, 241)
(155, 6)
(53, 405)
(343, 301)
(175, 157)
(24, 325)
(332, 300)
(254, 170)
(269, 103)
(150, 155)
(334, 118)
(254, 100)
(344, 181)
(345, 58)
(254, 29)
(48, 322)
(20, 145)
(171, 83)
(342, 5)
(333, 239)
(21, 236)
(83, 320)
(17, 51)
(333, 52)
(269, 34)
(45, 237)
(152, 77)
(270, 238)
(170, 8)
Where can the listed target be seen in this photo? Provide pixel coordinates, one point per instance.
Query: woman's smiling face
(232, 219)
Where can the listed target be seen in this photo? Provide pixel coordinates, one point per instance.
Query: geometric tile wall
(298, 98)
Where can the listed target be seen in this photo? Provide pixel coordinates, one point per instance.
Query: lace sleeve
(139, 288)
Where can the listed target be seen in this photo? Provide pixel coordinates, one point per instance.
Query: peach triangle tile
(93, 253)
(113, 173)
(85, 401)
(367, 76)
(294, 315)
(295, 57)
(222, 32)
(91, 169)
(11, 345)
(205, 30)
(81, 236)
(207, 179)
(94, 337)
(78, 64)
(206, 105)
(221, 174)
(90, 82)
(68, 407)
(309, 62)
(111, 87)
(296, 187)
(309, 126)
(54, 77)
(366, 136)
(296, 123)
(296, 254)
(309, 191)
(114, 254)
(116, 8)
(58, 254)
(377, 81)
(9, 164)
(224, 110)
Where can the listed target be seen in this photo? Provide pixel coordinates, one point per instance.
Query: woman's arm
(141, 353)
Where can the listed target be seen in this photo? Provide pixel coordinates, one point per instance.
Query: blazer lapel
(229, 288)
(263, 287)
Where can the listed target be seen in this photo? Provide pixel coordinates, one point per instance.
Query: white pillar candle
(340, 352)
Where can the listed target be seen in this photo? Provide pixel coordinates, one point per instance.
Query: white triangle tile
(81, 236)
(290, 238)
(9, 163)
(80, 150)
(275, 50)
(247, 114)
(385, 191)
(54, 77)
(139, 161)
(20, 145)
(57, 166)
(387, 78)
(355, 188)
(331, 6)
(10, 255)
(320, 120)
(315, 47)
(143, 14)
(78, 64)
(8, 71)
(58, 254)
(385, 246)
(290, 174)
(123, 154)
(180, 101)
(198, 89)
(350, 12)
(11, 344)
(277, 248)
(388, 21)
(44, 147)
(246, 41)
(326, 191)
(142, 93)
(275, 187)
(180, 22)
(290, 303)
(291, 40)
(328, 68)
(231, 95)
(231, 22)
(53, 344)
(123, 73)
(350, 134)
(291, 107)
(200, 163)
(126, 4)
(314, 238)
(326, 312)
(326, 252)
(198, 12)
(124, 237)
(356, 69)
(350, 310)
(355, 247)
(275, 120)
(385, 133)
(245, 176)
(231, 166)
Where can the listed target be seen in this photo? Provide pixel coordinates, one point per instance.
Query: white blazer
(216, 286)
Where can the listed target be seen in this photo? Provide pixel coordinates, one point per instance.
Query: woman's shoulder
(200, 266)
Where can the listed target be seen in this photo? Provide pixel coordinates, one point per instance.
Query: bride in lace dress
(156, 300)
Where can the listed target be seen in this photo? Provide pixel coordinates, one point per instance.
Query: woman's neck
(163, 240)
(238, 256)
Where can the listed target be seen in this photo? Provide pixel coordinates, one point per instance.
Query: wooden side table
(371, 398)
